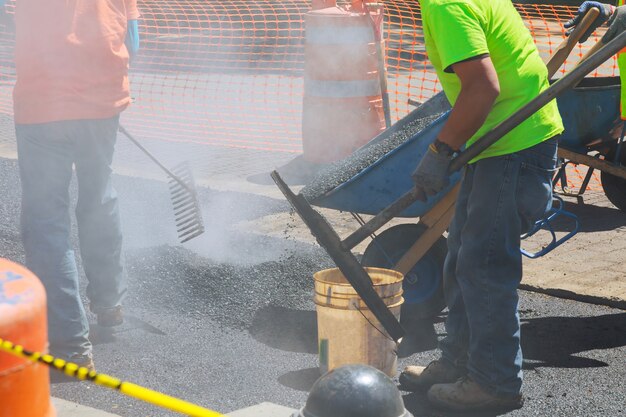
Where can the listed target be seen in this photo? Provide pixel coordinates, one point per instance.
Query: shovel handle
(565, 48)
(592, 51)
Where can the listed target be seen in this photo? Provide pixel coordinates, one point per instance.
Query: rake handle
(154, 159)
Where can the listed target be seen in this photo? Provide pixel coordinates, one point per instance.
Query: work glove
(431, 174)
(606, 10)
(132, 37)
(617, 24)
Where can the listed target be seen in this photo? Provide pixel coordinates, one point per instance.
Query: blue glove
(431, 174)
(606, 10)
(617, 24)
(132, 37)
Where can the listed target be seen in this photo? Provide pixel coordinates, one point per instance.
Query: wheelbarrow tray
(588, 112)
(385, 180)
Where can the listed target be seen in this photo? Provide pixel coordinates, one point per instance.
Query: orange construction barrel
(342, 106)
(24, 385)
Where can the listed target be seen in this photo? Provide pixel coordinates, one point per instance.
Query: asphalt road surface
(228, 322)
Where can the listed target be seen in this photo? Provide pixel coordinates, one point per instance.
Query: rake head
(187, 211)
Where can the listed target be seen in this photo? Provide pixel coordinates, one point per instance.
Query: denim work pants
(46, 154)
(500, 199)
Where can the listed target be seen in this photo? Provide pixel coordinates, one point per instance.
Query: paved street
(228, 322)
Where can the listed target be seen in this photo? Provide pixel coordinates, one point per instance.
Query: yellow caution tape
(127, 388)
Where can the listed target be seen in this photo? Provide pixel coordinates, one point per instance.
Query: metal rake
(187, 213)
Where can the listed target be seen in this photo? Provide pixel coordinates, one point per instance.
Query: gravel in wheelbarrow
(341, 171)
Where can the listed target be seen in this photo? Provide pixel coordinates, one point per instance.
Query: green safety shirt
(458, 30)
(621, 63)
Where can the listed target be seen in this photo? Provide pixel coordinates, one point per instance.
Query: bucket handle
(357, 308)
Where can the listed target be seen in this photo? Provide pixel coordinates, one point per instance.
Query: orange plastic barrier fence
(230, 72)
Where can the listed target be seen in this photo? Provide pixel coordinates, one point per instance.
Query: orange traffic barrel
(24, 385)
(322, 4)
(342, 106)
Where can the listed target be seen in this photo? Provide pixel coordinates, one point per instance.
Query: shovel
(183, 193)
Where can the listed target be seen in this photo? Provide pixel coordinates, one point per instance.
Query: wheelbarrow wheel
(615, 187)
(423, 285)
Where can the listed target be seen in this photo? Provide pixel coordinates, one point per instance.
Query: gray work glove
(606, 10)
(431, 174)
(617, 24)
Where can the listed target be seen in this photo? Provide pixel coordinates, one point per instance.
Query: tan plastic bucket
(347, 331)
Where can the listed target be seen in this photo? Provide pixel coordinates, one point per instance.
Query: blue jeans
(46, 154)
(500, 199)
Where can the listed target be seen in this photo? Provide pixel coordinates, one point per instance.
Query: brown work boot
(415, 378)
(109, 317)
(466, 395)
(83, 361)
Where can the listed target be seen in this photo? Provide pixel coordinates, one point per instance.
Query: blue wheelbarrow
(594, 136)
(384, 189)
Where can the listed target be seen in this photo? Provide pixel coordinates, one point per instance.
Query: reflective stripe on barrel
(342, 107)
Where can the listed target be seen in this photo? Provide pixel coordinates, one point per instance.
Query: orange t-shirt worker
(72, 60)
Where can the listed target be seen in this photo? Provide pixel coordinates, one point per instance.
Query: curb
(66, 408)
(263, 410)
(576, 296)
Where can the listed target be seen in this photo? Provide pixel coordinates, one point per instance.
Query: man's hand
(431, 174)
(617, 24)
(606, 10)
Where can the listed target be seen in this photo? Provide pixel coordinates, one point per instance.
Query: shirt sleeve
(131, 10)
(457, 32)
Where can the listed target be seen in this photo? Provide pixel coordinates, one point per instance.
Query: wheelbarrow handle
(570, 80)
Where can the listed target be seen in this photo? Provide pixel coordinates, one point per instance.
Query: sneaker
(109, 317)
(415, 378)
(466, 395)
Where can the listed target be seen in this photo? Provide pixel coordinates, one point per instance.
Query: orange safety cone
(342, 107)
(24, 385)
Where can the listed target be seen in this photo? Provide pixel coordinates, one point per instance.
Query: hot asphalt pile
(337, 173)
(227, 293)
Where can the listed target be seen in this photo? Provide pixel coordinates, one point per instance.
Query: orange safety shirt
(70, 58)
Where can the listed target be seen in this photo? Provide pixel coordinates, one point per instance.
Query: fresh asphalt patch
(227, 320)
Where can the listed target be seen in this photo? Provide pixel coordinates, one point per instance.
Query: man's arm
(479, 90)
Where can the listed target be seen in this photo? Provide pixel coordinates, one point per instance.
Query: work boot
(415, 378)
(466, 395)
(109, 317)
(83, 361)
